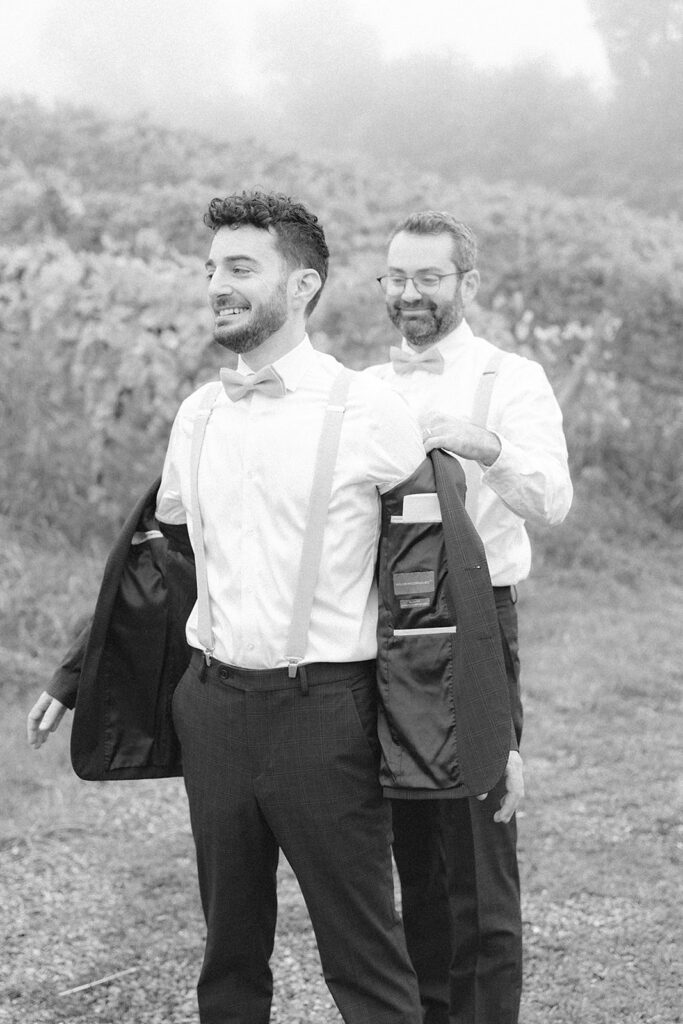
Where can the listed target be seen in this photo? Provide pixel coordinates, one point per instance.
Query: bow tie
(268, 381)
(407, 362)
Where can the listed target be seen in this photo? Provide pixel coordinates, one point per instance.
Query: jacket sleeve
(64, 683)
(461, 489)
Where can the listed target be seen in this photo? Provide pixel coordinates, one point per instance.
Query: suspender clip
(292, 667)
(208, 654)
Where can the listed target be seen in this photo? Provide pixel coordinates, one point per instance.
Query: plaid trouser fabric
(460, 888)
(268, 766)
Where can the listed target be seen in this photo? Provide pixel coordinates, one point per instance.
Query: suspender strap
(204, 631)
(321, 489)
(480, 415)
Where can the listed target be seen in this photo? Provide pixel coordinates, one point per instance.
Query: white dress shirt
(530, 478)
(255, 479)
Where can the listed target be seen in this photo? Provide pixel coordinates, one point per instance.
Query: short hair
(435, 222)
(299, 236)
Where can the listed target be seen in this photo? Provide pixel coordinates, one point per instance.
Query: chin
(237, 342)
(418, 339)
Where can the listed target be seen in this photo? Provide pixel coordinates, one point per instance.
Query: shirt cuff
(497, 459)
(506, 464)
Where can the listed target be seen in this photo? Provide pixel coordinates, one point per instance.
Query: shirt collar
(451, 345)
(291, 366)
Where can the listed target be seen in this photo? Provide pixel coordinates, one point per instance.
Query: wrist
(492, 449)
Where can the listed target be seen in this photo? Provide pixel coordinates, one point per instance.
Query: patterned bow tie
(407, 362)
(268, 381)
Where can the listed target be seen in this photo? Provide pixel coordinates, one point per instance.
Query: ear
(469, 285)
(303, 286)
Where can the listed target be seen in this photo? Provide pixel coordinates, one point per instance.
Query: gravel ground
(98, 879)
(117, 893)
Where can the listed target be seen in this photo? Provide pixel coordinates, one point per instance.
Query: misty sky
(185, 61)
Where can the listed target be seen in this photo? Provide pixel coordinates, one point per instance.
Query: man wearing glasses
(496, 412)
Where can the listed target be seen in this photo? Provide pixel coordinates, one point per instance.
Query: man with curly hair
(279, 746)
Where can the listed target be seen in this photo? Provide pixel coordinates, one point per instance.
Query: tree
(643, 40)
(644, 44)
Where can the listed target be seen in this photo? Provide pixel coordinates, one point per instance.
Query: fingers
(35, 716)
(43, 718)
(508, 806)
(514, 786)
(53, 716)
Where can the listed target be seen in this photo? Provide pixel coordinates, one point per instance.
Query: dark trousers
(269, 766)
(460, 889)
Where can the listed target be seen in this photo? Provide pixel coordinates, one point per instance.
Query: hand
(44, 718)
(459, 436)
(514, 787)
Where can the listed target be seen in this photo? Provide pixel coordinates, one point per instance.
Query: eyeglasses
(425, 284)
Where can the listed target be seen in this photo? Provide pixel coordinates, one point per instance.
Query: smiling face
(247, 287)
(425, 319)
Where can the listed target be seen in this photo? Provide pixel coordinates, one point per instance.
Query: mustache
(414, 306)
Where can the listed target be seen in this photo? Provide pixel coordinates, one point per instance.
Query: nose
(410, 292)
(219, 284)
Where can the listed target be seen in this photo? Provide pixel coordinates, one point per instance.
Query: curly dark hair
(300, 237)
(436, 222)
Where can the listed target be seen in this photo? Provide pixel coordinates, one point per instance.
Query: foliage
(437, 111)
(98, 352)
(103, 328)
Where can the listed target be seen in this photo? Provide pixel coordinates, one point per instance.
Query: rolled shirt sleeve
(531, 474)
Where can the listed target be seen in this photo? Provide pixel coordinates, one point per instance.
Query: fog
(300, 70)
(323, 80)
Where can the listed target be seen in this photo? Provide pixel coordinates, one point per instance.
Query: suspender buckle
(294, 669)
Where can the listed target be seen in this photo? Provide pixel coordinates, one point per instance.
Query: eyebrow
(234, 259)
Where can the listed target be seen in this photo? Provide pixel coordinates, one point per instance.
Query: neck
(421, 348)
(277, 345)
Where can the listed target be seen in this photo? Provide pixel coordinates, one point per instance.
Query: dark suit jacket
(444, 717)
(122, 670)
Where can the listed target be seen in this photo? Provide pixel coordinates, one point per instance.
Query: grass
(601, 835)
(99, 878)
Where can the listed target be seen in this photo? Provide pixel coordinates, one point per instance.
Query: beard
(434, 324)
(263, 322)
